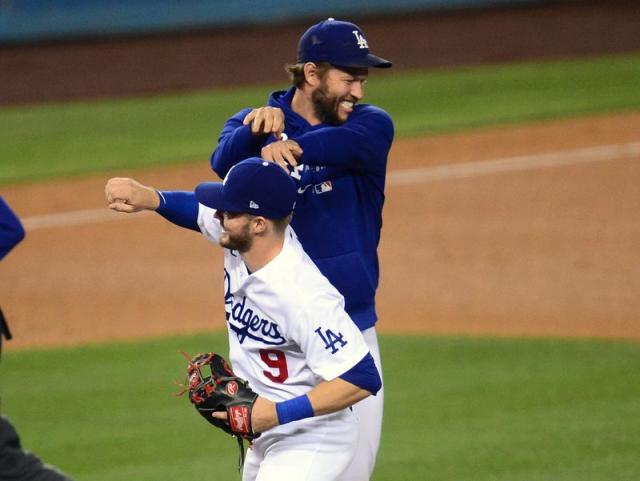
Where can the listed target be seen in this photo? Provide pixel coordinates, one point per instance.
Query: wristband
(294, 409)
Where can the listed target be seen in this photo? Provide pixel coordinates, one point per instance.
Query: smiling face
(337, 93)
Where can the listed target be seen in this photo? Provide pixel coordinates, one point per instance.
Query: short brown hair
(281, 224)
(296, 72)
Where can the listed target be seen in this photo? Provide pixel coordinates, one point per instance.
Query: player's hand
(265, 120)
(128, 195)
(263, 415)
(284, 152)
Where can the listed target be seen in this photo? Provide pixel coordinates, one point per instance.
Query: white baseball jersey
(288, 329)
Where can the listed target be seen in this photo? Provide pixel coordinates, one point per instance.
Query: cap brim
(369, 60)
(210, 194)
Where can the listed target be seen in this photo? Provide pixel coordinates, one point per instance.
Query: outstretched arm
(128, 195)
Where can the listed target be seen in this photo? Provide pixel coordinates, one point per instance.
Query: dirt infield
(475, 247)
(474, 241)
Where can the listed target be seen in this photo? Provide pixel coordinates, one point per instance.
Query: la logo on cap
(362, 42)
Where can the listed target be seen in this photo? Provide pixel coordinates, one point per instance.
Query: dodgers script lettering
(245, 322)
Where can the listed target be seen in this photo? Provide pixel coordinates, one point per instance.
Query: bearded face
(336, 95)
(327, 105)
(236, 234)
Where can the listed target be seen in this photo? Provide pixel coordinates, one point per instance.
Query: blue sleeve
(179, 207)
(362, 142)
(364, 375)
(236, 143)
(11, 230)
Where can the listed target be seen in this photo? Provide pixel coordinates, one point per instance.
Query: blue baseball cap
(339, 43)
(253, 186)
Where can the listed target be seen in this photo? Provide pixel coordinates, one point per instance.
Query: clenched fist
(128, 195)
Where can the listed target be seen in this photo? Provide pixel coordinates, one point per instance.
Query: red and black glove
(221, 391)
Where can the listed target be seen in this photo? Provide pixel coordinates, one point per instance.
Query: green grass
(78, 138)
(44, 141)
(456, 409)
(510, 410)
(440, 101)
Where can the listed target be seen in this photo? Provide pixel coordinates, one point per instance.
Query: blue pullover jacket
(338, 215)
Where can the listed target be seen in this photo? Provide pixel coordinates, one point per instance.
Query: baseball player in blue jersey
(337, 150)
(16, 464)
(289, 334)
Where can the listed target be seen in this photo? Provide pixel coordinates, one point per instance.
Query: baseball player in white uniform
(289, 334)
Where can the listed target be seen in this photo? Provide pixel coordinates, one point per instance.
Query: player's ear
(311, 74)
(259, 224)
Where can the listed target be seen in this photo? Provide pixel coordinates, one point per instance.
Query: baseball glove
(221, 391)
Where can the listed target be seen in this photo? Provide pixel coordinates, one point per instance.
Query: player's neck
(263, 250)
(302, 105)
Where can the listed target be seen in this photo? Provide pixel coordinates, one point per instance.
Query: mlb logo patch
(322, 188)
